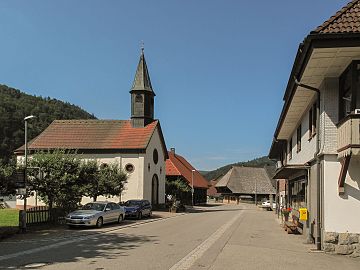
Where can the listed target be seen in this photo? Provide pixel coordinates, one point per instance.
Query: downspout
(316, 156)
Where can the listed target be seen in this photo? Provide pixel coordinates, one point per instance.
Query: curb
(6, 232)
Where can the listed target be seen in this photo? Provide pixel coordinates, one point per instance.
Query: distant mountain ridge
(15, 105)
(260, 162)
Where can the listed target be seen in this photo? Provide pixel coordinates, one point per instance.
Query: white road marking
(198, 252)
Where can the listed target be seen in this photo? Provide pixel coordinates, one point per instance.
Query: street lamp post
(23, 214)
(192, 186)
(255, 192)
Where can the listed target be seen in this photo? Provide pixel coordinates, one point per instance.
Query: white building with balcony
(317, 139)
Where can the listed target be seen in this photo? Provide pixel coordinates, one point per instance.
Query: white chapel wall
(158, 169)
(133, 187)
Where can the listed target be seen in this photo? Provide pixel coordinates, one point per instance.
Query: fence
(36, 215)
(41, 214)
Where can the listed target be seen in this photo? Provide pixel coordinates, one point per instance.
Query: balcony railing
(349, 136)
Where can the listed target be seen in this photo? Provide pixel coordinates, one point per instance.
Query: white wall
(329, 111)
(341, 212)
(158, 169)
(133, 187)
(327, 129)
(308, 146)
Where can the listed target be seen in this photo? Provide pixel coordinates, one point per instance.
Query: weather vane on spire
(142, 46)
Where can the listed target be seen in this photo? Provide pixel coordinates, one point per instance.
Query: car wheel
(99, 222)
(139, 216)
(150, 214)
(120, 219)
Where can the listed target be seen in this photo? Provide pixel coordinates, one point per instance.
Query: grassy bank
(9, 217)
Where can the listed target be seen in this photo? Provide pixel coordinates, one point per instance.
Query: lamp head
(29, 117)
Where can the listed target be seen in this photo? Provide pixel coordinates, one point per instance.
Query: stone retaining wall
(342, 243)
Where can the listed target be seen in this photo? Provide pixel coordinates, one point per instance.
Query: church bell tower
(142, 96)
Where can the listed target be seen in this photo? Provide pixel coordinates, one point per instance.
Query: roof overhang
(277, 147)
(288, 171)
(21, 152)
(319, 56)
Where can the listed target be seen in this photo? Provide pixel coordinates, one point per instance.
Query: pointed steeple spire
(142, 80)
(142, 96)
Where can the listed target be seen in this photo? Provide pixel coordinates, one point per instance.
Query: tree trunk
(50, 209)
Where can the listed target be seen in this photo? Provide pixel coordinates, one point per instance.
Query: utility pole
(255, 191)
(192, 187)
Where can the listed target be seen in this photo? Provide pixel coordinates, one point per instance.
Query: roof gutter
(316, 156)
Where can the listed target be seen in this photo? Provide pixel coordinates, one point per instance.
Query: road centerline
(187, 261)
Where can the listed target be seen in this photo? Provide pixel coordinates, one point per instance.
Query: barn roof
(244, 180)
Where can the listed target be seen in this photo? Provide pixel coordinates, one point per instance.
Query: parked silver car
(96, 214)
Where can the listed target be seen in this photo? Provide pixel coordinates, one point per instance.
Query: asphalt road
(213, 237)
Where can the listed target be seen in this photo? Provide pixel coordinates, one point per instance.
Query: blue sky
(218, 68)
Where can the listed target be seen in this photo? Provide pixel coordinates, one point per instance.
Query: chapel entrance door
(155, 190)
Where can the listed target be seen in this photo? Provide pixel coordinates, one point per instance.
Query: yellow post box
(303, 214)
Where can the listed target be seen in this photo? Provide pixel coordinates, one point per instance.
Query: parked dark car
(137, 208)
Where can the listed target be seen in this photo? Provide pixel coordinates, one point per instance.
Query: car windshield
(94, 206)
(133, 203)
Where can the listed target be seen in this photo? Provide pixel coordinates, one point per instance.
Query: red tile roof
(346, 20)
(176, 165)
(171, 170)
(93, 134)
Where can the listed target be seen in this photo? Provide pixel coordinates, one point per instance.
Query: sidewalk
(259, 242)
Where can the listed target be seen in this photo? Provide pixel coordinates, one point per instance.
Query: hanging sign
(20, 178)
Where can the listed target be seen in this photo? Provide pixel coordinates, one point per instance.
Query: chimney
(172, 151)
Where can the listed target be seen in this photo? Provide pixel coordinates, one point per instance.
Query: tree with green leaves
(178, 188)
(7, 179)
(105, 180)
(15, 105)
(59, 182)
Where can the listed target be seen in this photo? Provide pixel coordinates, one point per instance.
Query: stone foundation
(342, 243)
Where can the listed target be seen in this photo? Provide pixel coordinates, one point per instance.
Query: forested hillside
(15, 105)
(258, 162)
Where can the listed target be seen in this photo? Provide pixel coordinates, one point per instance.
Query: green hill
(257, 162)
(15, 105)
